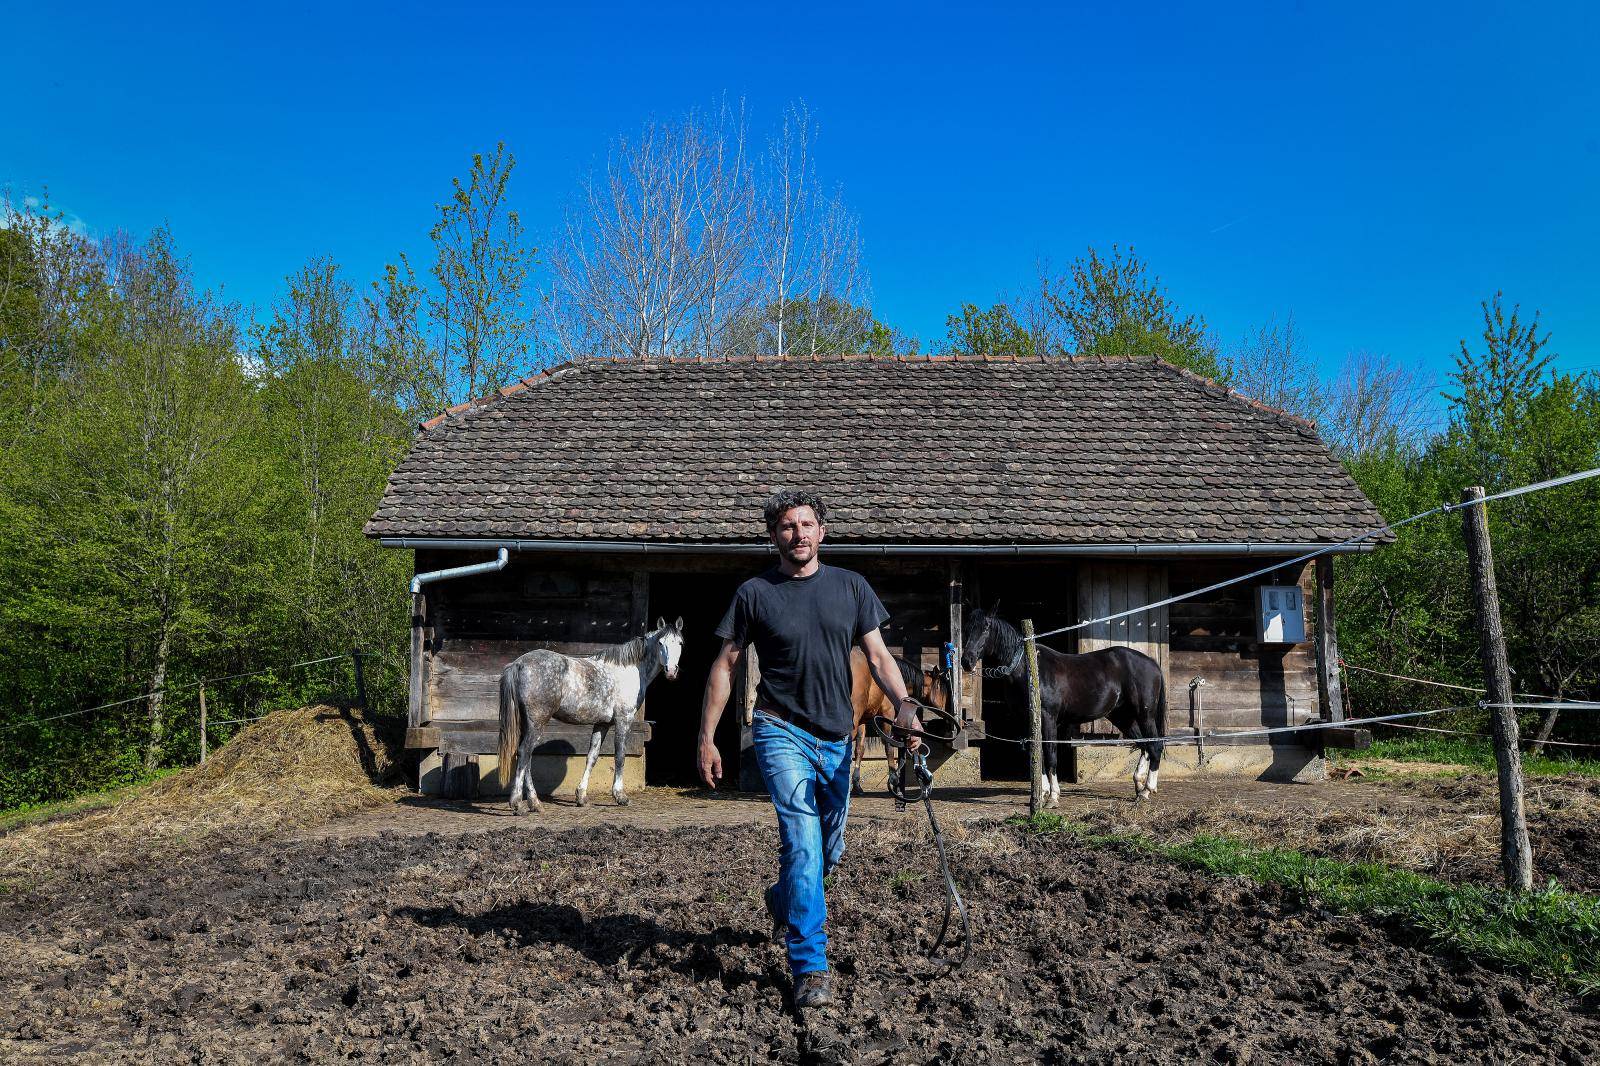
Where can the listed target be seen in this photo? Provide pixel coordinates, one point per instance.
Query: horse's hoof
(622, 801)
(583, 799)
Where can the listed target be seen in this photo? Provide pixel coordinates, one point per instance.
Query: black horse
(1120, 684)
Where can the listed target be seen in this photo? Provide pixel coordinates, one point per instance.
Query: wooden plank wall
(480, 624)
(1249, 684)
(1106, 587)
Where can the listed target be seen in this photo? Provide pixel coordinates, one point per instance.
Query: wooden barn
(591, 498)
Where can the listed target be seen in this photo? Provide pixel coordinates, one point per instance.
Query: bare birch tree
(684, 245)
(1272, 365)
(1373, 404)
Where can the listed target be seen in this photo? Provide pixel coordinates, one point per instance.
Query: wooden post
(1327, 644)
(204, 748)
(414, 700)
(1035, 726)
(1516, 854)
(460, 776)
(361, 681)
(958, 707)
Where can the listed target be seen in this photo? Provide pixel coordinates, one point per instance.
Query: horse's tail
(1161, 719)
(510, 722)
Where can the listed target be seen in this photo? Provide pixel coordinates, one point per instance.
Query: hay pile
(293, 769)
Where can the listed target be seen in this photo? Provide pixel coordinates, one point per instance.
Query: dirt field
(1445, 827)
(424, 933)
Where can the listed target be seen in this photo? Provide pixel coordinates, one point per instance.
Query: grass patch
(1474, 753)
(36, 813)
(1550, 931)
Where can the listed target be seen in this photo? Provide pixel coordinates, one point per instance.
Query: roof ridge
(581, 362)
(1295, 421)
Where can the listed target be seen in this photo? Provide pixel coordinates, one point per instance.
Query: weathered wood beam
(415, 695)
(1328, 690)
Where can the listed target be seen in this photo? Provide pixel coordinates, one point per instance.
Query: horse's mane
(628, 654)
(1006, 639)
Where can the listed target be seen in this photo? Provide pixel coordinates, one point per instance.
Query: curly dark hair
(785, 500)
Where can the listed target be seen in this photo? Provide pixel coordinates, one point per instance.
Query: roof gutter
(646, 547)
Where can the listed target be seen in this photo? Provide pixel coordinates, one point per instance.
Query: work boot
(814, 989)
(780, 928)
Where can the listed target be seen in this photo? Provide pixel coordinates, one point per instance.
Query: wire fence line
(1439, 684)
(1488, 736)
(1190, 738)
(1359, 538)
(8, 726)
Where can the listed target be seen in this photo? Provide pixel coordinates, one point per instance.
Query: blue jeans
(809, 781)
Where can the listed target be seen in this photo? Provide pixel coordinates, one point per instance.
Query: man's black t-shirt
(803, 628)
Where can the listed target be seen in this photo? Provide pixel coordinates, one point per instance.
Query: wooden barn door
(1112, 587)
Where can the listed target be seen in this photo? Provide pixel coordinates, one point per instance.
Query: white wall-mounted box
(1281, 615)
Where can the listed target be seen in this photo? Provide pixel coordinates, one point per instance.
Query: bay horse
(1120, 684)
(867, 699)
(601, 689)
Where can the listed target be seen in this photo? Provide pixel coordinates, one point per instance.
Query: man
(803, 618)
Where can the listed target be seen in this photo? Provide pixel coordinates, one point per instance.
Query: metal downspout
(418, 615)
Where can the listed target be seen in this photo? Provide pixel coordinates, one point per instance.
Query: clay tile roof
(927, 450)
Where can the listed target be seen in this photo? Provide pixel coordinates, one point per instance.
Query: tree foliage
(186, 503)
(1407, 607)
(1103, 305)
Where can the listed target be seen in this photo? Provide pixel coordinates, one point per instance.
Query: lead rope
(890, 734)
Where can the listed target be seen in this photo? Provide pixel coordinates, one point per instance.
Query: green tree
(154, 490)
(1513, 423)
(992, 332)
(479, 304)
(334, 431)
(827, 326)
(1116, 306)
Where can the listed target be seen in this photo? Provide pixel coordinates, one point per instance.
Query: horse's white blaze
(672, 644)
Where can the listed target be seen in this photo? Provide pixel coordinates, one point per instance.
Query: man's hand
(907, 719)
(710, 763)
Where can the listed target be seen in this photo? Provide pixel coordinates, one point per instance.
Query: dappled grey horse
(604, 688)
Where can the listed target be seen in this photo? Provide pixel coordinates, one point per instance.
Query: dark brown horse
(867, 699)
(1119, 684)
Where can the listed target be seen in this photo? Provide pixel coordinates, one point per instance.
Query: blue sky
(1374, 169)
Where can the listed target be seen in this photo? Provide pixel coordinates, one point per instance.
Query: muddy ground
(617, 943)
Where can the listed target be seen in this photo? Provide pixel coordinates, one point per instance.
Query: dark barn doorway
(1045, 591)
(673, 707)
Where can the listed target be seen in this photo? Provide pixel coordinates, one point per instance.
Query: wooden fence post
(204, 747)
(1035, 727)
(361, 681)
(1328, 672)
(1516, 854)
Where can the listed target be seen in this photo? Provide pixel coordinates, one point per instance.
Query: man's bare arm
(719, 684)
(886, 672)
